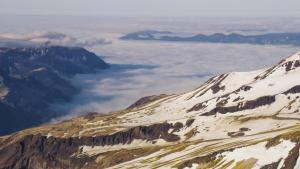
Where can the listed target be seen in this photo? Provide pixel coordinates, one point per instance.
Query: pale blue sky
(227, 8)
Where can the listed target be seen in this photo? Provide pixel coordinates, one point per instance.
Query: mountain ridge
(288, 38)
(233, 120)
(33, 77)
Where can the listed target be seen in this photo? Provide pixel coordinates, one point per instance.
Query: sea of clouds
(149, 68)
(140, 68)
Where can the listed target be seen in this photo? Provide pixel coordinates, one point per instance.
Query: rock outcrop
(37, 151)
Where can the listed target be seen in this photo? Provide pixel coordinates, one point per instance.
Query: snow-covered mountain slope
(239, 120)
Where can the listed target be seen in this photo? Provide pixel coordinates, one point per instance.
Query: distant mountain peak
(288, 38)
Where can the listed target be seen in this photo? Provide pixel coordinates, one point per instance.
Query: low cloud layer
(48, 38)
(150, 68)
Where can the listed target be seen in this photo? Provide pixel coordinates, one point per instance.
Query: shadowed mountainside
(33, 77)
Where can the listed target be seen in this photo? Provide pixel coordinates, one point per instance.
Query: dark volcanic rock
(189, 122)
(197, 107)
(216, 87)
(37, 76)
(265, 100)
(293, 90)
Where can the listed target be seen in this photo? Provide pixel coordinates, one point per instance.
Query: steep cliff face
(34, 151)
(236, 120)
(33, 77)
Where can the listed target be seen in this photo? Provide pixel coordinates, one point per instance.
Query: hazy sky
(227, 8)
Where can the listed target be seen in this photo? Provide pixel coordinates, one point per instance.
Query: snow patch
(261, 153)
